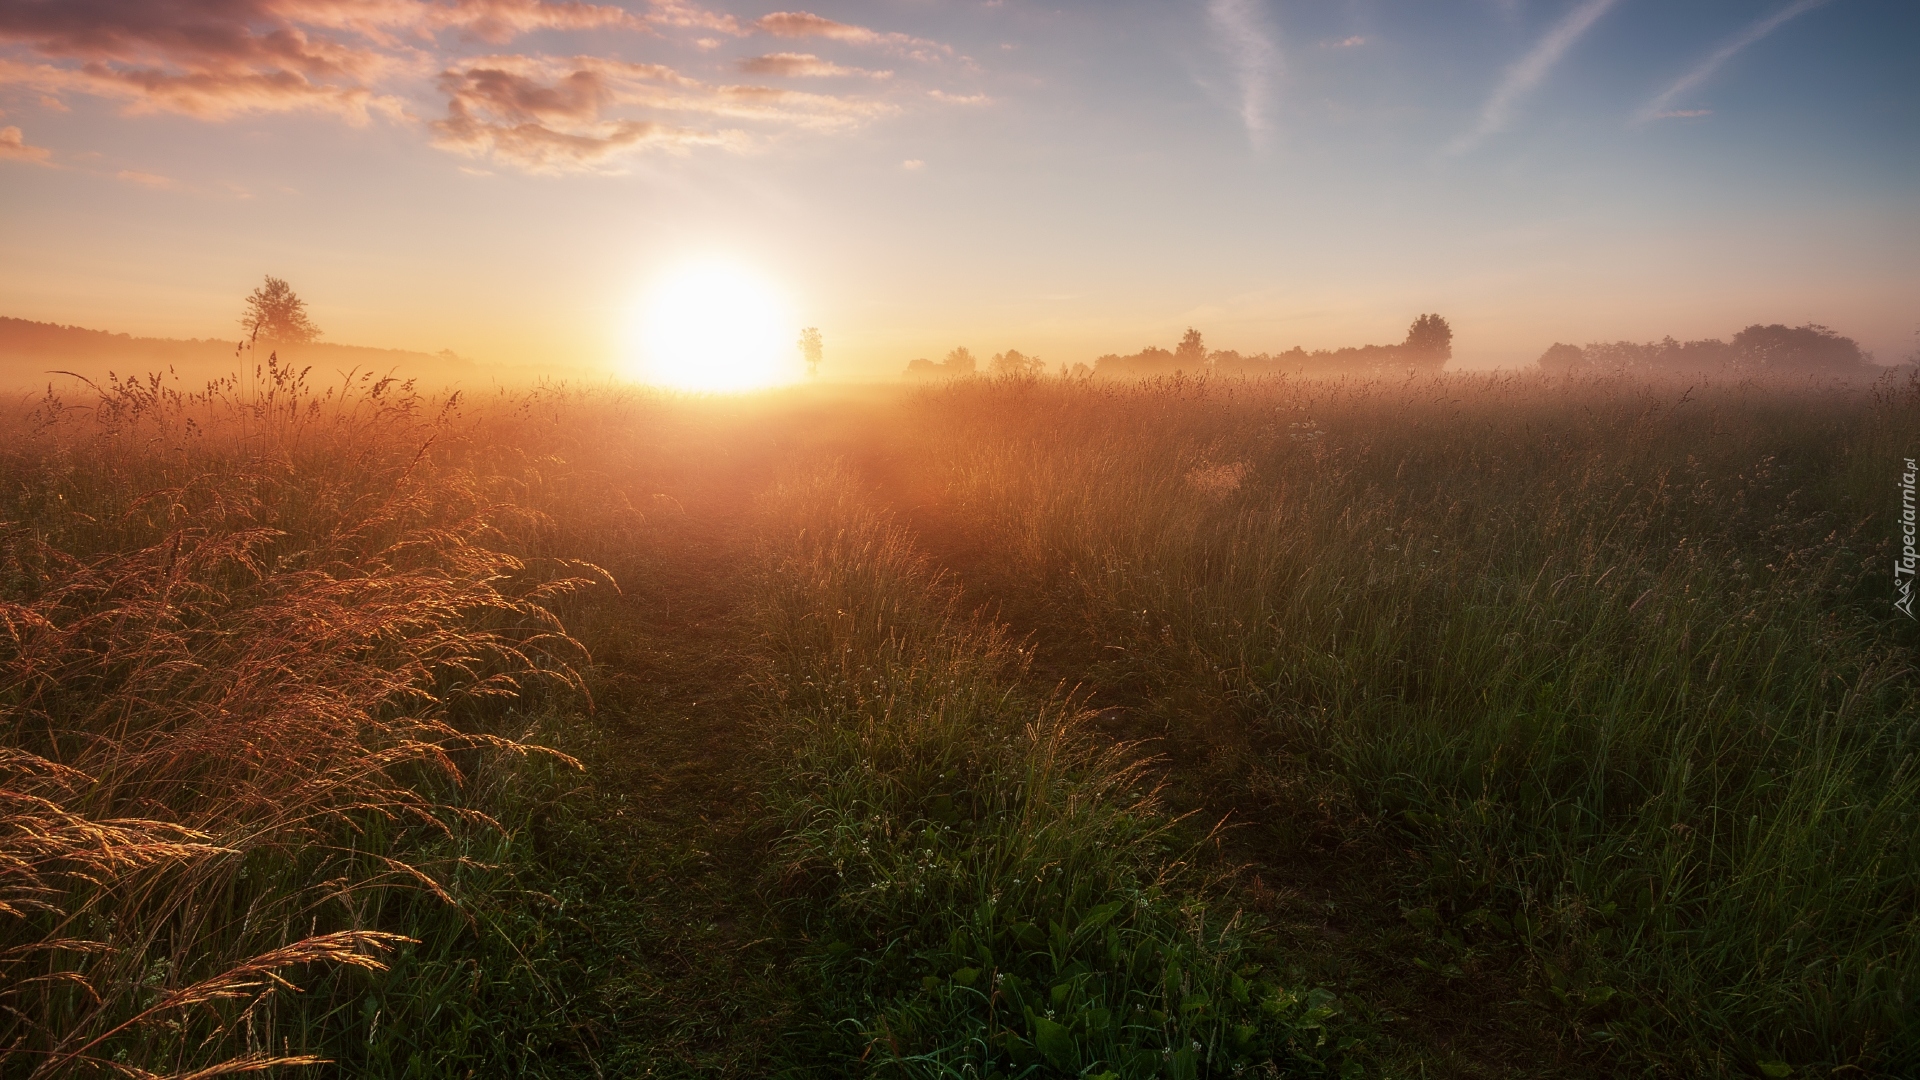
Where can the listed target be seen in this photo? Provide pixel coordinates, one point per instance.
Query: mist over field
(968, 541)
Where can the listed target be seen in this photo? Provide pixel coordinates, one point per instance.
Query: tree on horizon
(275, 313)
(812, 348)
(1191, 353)
(1429, 342)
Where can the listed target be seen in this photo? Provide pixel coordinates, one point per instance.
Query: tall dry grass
(1615, 659)
(254, 639)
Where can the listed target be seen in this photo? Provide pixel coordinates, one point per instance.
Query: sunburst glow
(715, 326)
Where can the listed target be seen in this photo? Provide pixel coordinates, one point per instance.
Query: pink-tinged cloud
(535, 147)
(548, 114)
(357, 59)
(14, 147)
(144, 179)
(206, 95)
(805, 24)
(692, 16)
(218, 58)
(804, 66)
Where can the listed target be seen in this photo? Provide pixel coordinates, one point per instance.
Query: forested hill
(29, 351)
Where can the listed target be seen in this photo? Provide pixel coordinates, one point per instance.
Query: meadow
(1458, 725)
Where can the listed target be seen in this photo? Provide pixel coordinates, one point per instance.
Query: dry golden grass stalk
(250, 644)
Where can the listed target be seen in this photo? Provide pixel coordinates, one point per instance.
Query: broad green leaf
(1056, 1042)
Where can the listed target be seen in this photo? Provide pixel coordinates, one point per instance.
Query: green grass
(1563, 728)
(1615, 662)
(989, 889)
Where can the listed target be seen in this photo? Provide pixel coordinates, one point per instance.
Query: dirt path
(694, 958)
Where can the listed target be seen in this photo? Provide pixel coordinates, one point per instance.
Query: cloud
(959, 99)
(357, 60)
(803, 65)
(145, 179)
(913, 164)
(676, 13)
(1658, 108)
(1344, 43)
(218, 58)
(14, 147)
(204, 94)
(804, 24)
(1532, 68)
(549, 115)
(1243, 37)
(537, 148)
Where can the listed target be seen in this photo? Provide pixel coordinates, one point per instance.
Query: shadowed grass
(1614, 659)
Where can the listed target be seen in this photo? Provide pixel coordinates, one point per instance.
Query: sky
(512, 179)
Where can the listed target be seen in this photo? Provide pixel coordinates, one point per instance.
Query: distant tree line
(1427, 347)
(1775, 348)
(1012, 364)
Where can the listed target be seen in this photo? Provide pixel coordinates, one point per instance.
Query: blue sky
(504, 177)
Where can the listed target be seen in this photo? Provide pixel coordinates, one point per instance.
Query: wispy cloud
(219, 58)
(1244, 37)
(804, 24)
(803, 66)
(14, 147)
(360, 59)
(144, 179)
(1662, 107)
(554, 115)
(1524, 76)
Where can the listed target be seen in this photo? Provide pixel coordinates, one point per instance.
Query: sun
(715, 326)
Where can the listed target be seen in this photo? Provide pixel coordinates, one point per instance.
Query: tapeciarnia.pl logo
(1904, 565)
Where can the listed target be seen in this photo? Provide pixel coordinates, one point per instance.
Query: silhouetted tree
(1017, 365)
(275, 314)
(811, 348)
(1429, 342)
(1809, 348)
(1560, 358)
(1191, 353)
(960, 362)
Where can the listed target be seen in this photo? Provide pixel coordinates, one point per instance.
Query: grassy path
(690, 974)
(698, 975)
